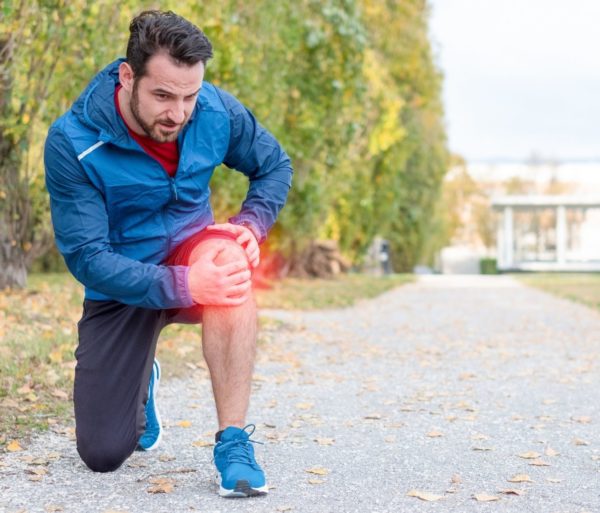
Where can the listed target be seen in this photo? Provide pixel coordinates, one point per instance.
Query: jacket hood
(95, 107)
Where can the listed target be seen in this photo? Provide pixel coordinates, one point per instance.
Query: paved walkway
(447, 388)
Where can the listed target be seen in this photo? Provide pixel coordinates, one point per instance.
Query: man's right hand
(219, 285)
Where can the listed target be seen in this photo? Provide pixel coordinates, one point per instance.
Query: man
(127, 169)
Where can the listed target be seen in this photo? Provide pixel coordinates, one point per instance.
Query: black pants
(117, 344)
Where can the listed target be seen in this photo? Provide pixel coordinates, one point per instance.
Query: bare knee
(231, 251)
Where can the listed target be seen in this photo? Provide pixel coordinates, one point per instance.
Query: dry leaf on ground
(14, 446)
(320, 471)
(161, 485)
(435, 434)
(520, 478)
(539, 463)
(184, 423)
(325, 441)
(512, 491)
(424, 496)
(529, 455)
(579, 441)
(484, 497)
(202, 443)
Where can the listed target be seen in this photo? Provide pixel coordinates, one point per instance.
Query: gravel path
(446, 388)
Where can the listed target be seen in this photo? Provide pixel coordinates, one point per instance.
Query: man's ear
(126, 76)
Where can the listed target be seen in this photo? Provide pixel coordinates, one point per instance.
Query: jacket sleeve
(256, 153)
(81, 230)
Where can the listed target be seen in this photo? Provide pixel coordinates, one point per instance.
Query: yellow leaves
(484, 497)
(324, 441)
(304, 406)
(320, 471)
(579, 441)
(512, 491)
(582, 419)
(14, 446)
(520, 478)
(161, 485)
(435, 434)
(315, 481)
(424, 496)
(529, 455)
(184, 424)
(202, 443)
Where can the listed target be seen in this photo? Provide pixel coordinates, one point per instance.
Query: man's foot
(239, 474)
(151, 437)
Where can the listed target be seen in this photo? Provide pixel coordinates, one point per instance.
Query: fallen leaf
(456, 479)
(317, 470)
(582, 420)
(551, 452)
(284, 508)
(166, 457)
(373, 416)
(512, 491)
(553, 480)
(304, 406)
(530, 455)
(14, 447)
(161, 485)
(520, 478)
(34, 478)
(50, 508)
(60, 394)
(184, 423)
(325, 441)
(435, 434)
(390, 439)
(484, 497)
(579, 441)
(202, 443)
(424, 496)
(539, 463)
(482, 449)
(37, 471)
(315, 481)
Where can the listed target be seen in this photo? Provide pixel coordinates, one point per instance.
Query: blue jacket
(117, 214)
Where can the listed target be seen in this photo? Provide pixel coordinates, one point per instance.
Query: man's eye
(162, 96)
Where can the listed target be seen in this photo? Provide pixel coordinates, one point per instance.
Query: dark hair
(153, 31)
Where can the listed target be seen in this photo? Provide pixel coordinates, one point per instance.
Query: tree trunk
(13, 271)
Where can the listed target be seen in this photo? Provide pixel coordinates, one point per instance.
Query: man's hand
(244, 237)
(220, 285)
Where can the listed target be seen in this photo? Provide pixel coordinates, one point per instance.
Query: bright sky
(520, 76)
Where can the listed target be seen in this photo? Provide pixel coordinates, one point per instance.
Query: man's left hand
(244, 237)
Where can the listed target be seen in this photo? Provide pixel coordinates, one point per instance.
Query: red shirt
(167, 153)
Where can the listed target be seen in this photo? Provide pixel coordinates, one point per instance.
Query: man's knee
(104, 456)
(231, 251)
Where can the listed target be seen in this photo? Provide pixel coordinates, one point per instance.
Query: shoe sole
(156, 413)
(242, 490)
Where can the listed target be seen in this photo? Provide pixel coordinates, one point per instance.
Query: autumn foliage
(348, 86)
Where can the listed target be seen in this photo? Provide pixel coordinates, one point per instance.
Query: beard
(153, 130)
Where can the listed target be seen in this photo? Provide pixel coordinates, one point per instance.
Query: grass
(341, 292)
(581, 287)
(38, 336)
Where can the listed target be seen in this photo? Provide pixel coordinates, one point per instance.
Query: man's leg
(116, 350)
(229, 343)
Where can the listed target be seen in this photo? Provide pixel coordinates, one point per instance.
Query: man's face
(163, 99)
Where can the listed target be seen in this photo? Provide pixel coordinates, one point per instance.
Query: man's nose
(177, 112)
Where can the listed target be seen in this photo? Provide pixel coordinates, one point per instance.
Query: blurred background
(431, 136)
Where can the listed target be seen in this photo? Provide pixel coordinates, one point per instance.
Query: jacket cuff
(252, 225)
(183, 286)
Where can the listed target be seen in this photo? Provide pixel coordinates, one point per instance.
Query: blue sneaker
(239, 474)
(151, 437)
